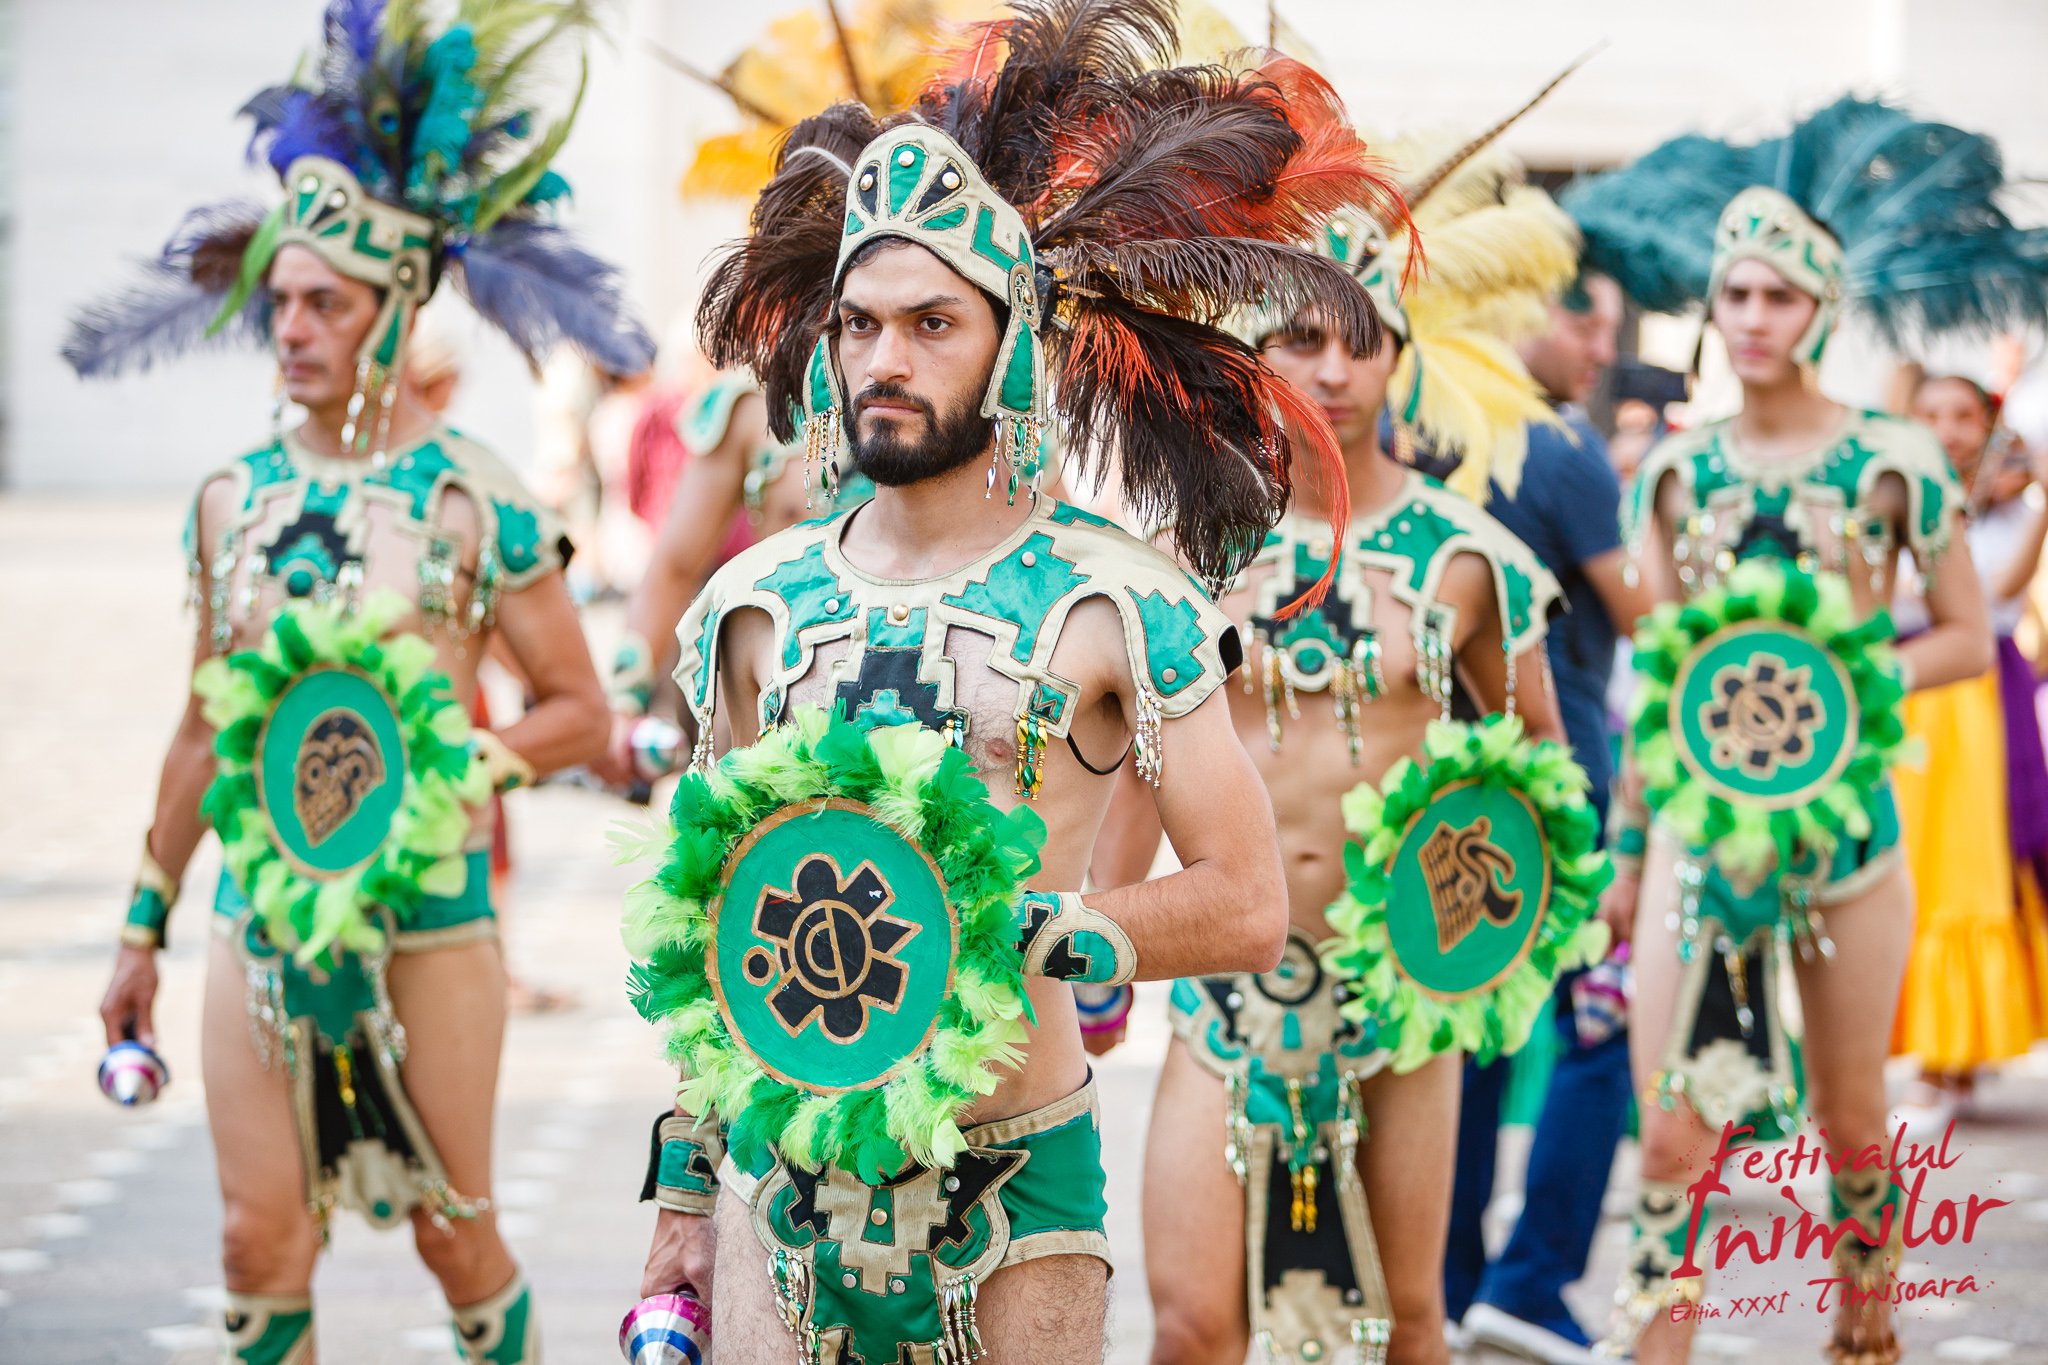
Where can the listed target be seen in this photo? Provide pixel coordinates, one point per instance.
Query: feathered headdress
(1498, 250)
(1119, 212)
(408, 151)
(1861, 205)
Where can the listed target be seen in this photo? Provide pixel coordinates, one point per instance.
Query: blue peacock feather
(437, 121)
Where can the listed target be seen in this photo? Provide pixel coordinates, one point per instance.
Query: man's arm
(1224, 911)
(1626, 603)
(567, 722)
(699, 517)
(127, 1010)
(684, 1243)
(1958, 643)
(1482, 660)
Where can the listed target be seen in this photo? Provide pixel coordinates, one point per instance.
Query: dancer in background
(1324, 1146)
(1568, 510)
(1792, 513)
(1974, 809)
(349, 577)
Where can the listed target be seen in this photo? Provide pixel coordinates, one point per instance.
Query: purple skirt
(2026, 765)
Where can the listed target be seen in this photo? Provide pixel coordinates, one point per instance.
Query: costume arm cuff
(505, 768)
(149, 905)
(682, 1167)
(631, 687)
(1063, 939)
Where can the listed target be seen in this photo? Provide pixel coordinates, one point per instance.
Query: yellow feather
(1495, 251)
(796, 69)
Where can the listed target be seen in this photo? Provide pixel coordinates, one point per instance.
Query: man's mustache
(893, 393)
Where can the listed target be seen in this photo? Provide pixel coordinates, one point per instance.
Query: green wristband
(149, 904)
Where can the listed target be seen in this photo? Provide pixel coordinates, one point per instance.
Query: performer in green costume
(347, 578)
(953, 283)
(1764, 754)
(1264, 1234)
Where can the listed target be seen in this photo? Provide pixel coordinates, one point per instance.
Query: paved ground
(108, 1219)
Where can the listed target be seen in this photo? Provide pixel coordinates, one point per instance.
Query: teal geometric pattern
(1173, 632)
(1021, 589)
(813, 593)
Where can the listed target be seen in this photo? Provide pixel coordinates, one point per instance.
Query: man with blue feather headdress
(356, 997)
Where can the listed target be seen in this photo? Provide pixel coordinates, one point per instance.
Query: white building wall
(123, 117)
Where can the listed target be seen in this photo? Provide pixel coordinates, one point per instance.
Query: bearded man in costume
(353, 571)
(1766, 762)
(1060, 207)
(882, 55)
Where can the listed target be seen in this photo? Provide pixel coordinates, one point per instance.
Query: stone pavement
(108, 1220)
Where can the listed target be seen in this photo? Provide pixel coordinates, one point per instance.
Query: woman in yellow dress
(1975, 812)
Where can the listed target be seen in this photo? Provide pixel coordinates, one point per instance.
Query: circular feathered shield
(1470, 887)
(1472, 880)
(832, 946)
(330, 770)
(1765, 710)
(829, 940)
(344, 779)
(1762, 712)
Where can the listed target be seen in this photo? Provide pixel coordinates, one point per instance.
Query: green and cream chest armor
(898, 664)
(1819, 512)
(1339, 646)
(305, 525)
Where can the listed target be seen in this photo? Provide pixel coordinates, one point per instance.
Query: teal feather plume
(1927, 247)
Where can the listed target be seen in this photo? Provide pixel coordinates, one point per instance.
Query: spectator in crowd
(1975, 814)
(1568, 511)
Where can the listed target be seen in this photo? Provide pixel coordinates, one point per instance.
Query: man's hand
(1100, 1044)
(681, 1256)
(615, 765)
(130, 1001)
(1618, 906)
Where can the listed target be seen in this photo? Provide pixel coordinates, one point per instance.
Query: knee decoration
(501, 1330)
(1063, 939)
(268, 1329)
(1657, 1247)
(682, 1168)
(1290, 1063)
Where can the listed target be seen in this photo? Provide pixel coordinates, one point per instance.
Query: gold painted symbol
(1761, 715)
(829, 949)
(338, 766)
(1468, 875)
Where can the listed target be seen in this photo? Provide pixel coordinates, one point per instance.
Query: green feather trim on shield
(1492, 850)
(343, 775)
(830, 946)
(1764, 711)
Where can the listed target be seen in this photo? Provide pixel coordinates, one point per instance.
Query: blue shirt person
(1567, 510)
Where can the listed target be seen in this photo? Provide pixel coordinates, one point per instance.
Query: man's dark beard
(893, 459)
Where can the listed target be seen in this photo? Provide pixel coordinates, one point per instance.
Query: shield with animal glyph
(1472, 878)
